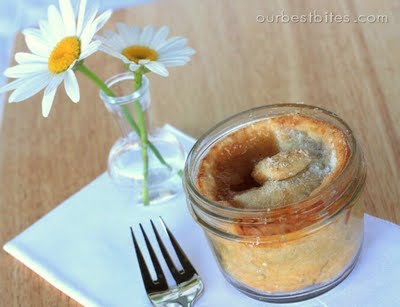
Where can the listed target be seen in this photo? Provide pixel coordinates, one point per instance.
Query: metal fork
(188, 283)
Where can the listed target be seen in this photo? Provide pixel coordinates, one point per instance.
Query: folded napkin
(83, 247)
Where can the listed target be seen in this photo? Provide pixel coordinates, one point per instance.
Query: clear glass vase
(166, 155)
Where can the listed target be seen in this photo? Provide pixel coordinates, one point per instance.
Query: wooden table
(350, 68)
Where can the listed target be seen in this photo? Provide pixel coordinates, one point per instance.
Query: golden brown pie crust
(226, 169)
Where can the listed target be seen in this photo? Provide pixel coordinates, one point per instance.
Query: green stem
(91, 75)
(143, 138)
(135, 127)
(145, 157)
(138, 81)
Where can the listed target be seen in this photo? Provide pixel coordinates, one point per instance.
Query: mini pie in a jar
(277, 191)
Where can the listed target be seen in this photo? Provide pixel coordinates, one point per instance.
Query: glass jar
(287, 253)
(166, 155)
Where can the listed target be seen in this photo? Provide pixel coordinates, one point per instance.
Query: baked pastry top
(273, 162)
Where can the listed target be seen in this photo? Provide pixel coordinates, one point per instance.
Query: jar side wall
(313, 260)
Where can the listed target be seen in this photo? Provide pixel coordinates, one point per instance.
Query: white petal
(172, 43)
(144, 61)
(68, 17)
(13, 85)
(102, 19)
(56, 81)
(88, 17)
(47, 102)
(171, 63)
(134, 33)
(92, 48)
(159, 37)
(133, 66)
(71, 86)
(56, 22)
(97, 24)
(34, 32)
(146, 36)
(124, 32)
(47, 32)
(127, 61)
(31, 87)
(157, 68)
(37, 46)
(178, 52)
(109, 34)
(81, 16)
(174, 61)
(49, 93)
(112, 52)
(115, 41)
(25, 58)
(172, 57)
(22, 70)
(87, 35)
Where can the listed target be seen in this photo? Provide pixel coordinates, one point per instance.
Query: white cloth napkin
(83, 247)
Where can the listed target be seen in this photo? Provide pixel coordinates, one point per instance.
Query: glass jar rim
(121, 100)
(234, 213)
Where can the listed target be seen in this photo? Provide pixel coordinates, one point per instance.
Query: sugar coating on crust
(226, 174)
(283, 165)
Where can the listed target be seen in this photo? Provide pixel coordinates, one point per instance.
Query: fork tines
(160, 284)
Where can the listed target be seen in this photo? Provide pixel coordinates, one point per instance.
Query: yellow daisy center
(64, 54)
(136, 53)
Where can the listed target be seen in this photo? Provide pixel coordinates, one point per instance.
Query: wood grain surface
(351, 68)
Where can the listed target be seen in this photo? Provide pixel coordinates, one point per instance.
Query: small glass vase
(166, 155)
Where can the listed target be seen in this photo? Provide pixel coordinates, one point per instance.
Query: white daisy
(60, 42)
(146, 47)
